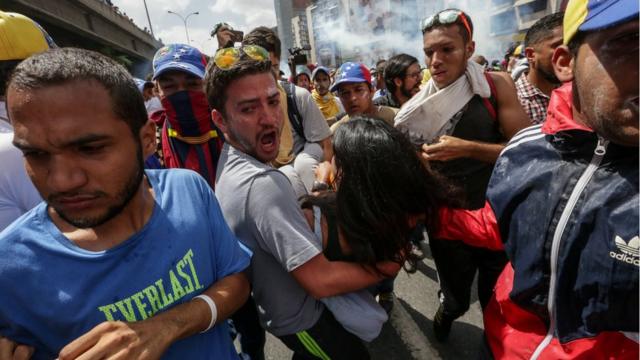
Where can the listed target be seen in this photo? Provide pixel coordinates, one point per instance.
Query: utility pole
(148, 18)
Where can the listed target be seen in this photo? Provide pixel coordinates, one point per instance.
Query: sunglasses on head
(446, 17)
(227, 57)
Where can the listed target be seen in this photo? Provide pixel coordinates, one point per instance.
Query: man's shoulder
(270, 185)
(238, 162)
(174, 177)
(339, 123)
(526, 150)
(387, 113)
(27, 226)
(389, 109)
(301, 93)
(240, 170)
(502, 83)
(521, 142)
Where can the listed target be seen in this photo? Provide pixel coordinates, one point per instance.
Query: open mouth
(268, 139)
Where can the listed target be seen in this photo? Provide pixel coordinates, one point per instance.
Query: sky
(241, 14)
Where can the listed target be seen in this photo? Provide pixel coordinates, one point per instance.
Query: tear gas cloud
(367, 31)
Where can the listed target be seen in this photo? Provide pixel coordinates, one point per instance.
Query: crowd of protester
(160, 218)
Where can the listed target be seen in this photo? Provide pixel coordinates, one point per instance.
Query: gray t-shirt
(260, 207)
(313, 123)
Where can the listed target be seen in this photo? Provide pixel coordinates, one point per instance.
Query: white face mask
(3, 111)
(153, 105)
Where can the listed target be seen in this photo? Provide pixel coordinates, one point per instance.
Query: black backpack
(295, 118)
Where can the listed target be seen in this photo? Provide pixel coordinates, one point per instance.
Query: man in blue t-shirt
(118, 261)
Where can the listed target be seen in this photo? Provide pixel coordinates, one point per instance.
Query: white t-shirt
(17, 193)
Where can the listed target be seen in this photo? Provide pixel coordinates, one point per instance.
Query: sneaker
(385, 300)
(417, 252)
(442, 325)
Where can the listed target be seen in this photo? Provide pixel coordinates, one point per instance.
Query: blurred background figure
(151, 101)
(329, 105)
(378, 79)
(303, 77)
(20, 37)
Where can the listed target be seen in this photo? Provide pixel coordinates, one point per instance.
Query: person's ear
(529, 53)
(398, 82)
(218, 121)
(562, 61)
(147, 136)
(471, 48)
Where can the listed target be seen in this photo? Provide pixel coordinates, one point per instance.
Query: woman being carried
(383, 192)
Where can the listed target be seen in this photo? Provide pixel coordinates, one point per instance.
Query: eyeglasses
(415, 75)
(227, 57)
(446, 17)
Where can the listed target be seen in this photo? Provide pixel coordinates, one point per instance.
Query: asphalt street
(408, 334)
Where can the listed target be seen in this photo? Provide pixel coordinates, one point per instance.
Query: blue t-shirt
(52, 291)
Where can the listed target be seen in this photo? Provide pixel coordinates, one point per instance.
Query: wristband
(212, 307)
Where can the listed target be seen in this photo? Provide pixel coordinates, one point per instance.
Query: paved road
(408, 334)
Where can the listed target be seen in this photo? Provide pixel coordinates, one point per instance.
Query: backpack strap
(295, 118)
(491, 102)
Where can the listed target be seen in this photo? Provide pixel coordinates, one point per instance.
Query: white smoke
(380, 29)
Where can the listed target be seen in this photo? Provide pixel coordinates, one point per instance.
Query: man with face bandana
(188, 137)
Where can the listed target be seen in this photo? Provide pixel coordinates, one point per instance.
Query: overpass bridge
(91, 24)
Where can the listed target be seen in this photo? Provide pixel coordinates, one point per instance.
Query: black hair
(397, 68)
(575, 42)
(511, 49)
(6, 68)
(65, 65)
(302, 73)
(264, 37)
(543, 29)
(461, 28)
(218, 80)
(381, 183)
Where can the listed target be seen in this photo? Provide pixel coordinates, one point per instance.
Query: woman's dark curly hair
(381, 183)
